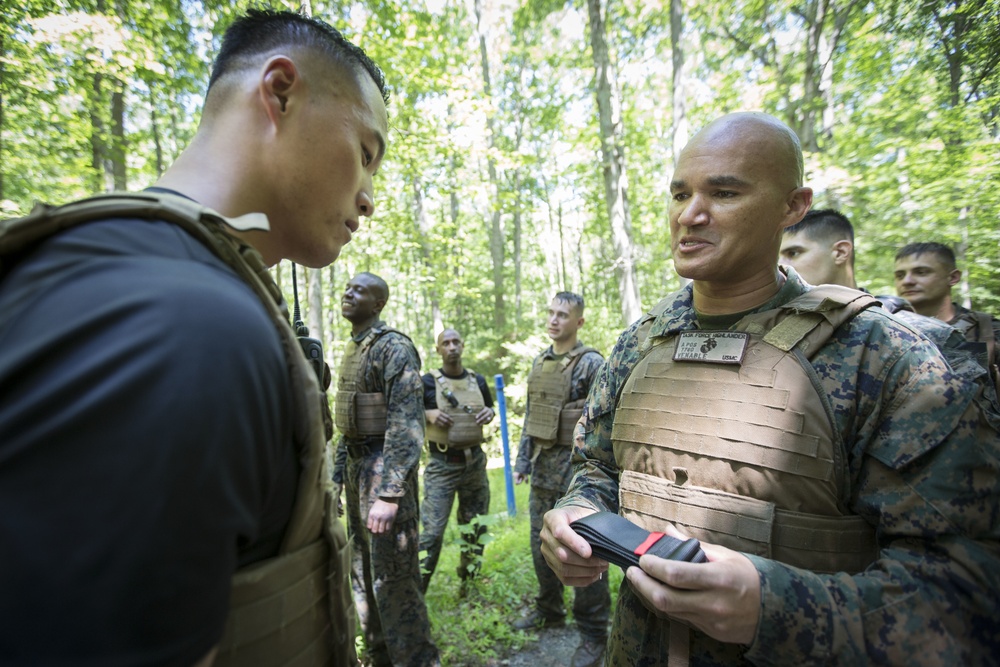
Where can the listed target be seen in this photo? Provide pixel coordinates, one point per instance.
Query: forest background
(532, 141)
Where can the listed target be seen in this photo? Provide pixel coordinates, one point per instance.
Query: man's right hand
(438, 418)
(568, 554)
(519, 477)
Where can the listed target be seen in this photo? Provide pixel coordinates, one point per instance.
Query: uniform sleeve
(525, 448)
(430, 392)
(595, 473)
(485, 390)
(927, 480)
(399, 369)
(584, 373)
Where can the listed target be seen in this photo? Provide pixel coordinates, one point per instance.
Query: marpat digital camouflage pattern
(923, 470)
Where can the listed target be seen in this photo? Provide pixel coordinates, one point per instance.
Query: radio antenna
(297, 323)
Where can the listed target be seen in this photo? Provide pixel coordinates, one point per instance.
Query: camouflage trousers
(639, 638)
(443, 480)
(591, 604)
(385, 573)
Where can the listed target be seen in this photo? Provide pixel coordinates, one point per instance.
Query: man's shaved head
(761, 138)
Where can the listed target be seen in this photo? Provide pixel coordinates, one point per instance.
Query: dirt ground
(553, 647)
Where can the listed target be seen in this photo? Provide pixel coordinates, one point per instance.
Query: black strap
(617, 540)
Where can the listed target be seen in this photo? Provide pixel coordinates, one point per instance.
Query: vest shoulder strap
(830, 304)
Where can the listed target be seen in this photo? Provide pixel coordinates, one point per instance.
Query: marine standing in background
(924, 275)
(841, 479)
(162, 475)
(379, 413)
(457, 404)
(558, 383)
(821, 250)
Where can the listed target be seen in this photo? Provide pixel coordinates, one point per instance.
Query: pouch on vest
(461, 400)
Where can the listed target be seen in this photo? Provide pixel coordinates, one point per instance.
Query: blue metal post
(507, 475)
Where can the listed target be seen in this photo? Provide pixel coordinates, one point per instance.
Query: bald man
(381, 422)
(457, 404)
(839, 477)
(161, 437)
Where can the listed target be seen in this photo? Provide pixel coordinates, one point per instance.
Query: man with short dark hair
(558, 383)
(457, 404)
(924, 275)
(380, 416)
(821, 248)
(843, 483)
(161, 437)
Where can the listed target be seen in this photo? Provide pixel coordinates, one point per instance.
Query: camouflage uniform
(454, 471)
(385, 568)
(970, 323)
(923, 471)
(551, 472)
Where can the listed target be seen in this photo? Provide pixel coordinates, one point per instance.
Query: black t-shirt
(145, 446)
(430, 388)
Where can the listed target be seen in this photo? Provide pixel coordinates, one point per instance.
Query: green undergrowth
(475, 629)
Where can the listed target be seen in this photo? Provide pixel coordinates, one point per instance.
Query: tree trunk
(612, 152)
(496, 230)
(679, 129)
(423, 229)
(154, 122)
(118, 143)
(315, 315)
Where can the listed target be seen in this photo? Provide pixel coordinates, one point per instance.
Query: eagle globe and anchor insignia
(718, 347)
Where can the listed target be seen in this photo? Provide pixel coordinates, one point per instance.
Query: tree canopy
(532, 142)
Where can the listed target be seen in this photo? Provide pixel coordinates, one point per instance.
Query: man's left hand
(721, 597)
(485, 416)
(381, 515)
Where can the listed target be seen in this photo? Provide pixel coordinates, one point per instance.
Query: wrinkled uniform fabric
(968, 322)
(551, 473)
(141, 378)
(386, 574)
(443, 480)
(923, 470)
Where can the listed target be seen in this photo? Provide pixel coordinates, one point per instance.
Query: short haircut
(437, 341)
(944, 253)
(573, 299)
(261, 31)
(380, 285)
(824, 223)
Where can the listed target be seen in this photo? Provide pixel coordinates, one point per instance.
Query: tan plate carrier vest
(360, 414)
(551, 415)
(464, 432)
(295, 608)
(985, 335)
(746, 455)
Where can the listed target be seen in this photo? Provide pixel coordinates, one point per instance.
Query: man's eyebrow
(727, 181)
(677, 184)
(380, 139)
(791, 247)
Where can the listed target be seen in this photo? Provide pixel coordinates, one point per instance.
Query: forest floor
(553, 647)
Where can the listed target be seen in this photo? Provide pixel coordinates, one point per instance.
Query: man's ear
(799, 202)
(842, 251)
(954, 277)
(379, 305)
(279, 78)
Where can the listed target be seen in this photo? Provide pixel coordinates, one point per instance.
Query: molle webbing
(304, 536)
(289, 591)
(745, 455)
(819, 543)
(568, 418)
(464, 432)
(358, 413)
(549, 386)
